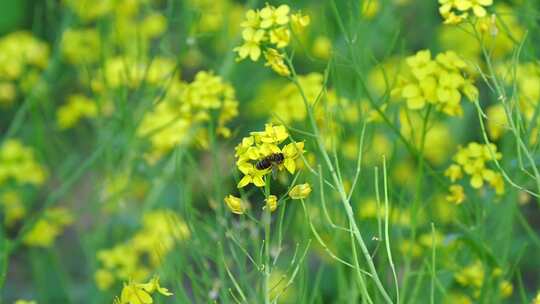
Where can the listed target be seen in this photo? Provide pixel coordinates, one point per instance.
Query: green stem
(266, 220)
(340, 188)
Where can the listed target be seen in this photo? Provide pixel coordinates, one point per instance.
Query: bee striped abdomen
(265, 163)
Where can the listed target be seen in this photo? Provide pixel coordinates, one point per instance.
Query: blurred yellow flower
(449, 9)
(81, 46)
(12, 207)
(77, 108)
(18, 163)
(457, 194)
(506, 289)
(271, 202)
(48, 227)
(472, 160)
(25, 302)
(322, 47)
(472, 275)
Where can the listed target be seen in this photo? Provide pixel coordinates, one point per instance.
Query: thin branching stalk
(267, 219)
(341, 190)
(386, 233)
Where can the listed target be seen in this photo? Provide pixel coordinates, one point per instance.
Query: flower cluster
(77, 108)
(260, 145)
(456, 11)
(22, 57)
(474, 274)
(81, 46)
(161, 230)
(497, 33)
(120, 72)
(186, 108)
(18, 163)
(472, 160)
(141, 293)
(260, 154)
(12, 207)
(217, 14)
(441, 82)
(267, 31)
(130, 21)
(48, 227)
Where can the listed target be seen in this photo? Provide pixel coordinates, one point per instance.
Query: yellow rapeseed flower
(472, 275)
(47, 228)
(261, 145)
(456, 11)
(274, 16)
(251, 47)
(472, 161)
(441, 82)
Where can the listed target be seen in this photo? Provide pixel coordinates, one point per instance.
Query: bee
(271, 160)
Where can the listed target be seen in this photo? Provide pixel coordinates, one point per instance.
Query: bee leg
(274, 172)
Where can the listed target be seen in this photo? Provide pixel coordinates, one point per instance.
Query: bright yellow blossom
(260, 145)
(536, 299)
(280, 37)
(138, 256)
(455, 11)
(299, 22)
(251, 47)
(506, 289)
(274, 16)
